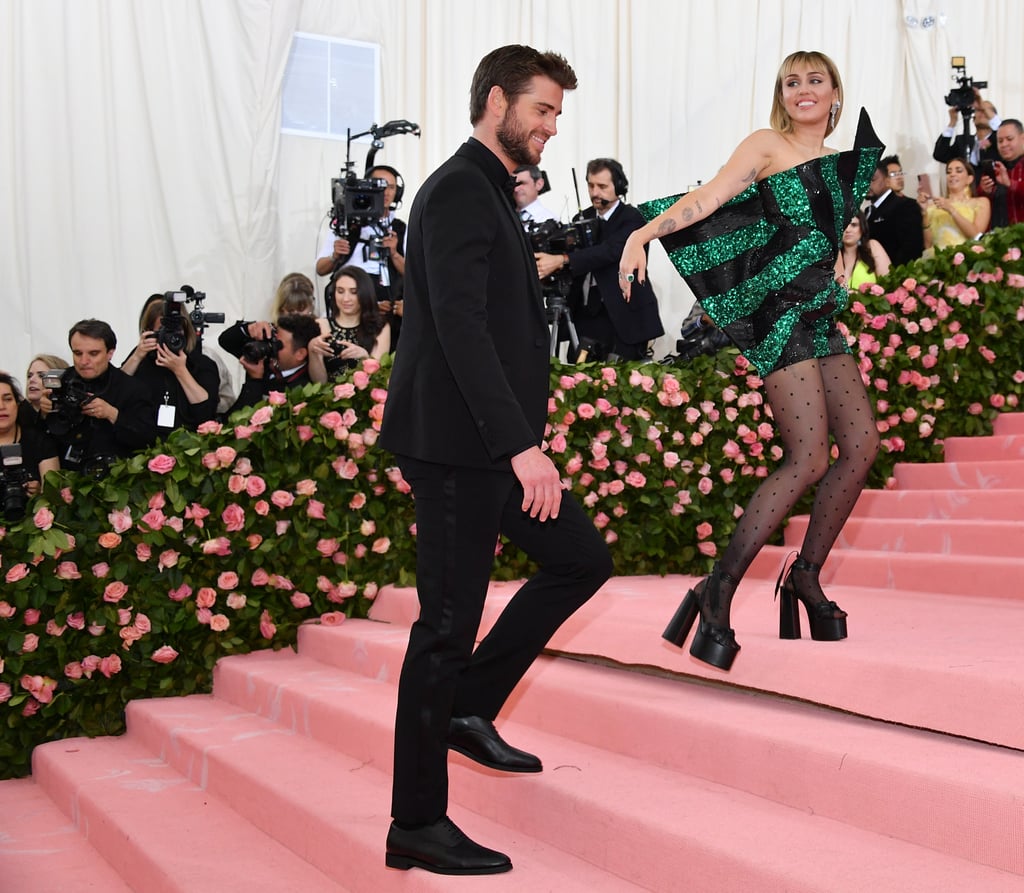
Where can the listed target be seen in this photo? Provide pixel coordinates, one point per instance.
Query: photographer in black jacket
(95, 411)
(180, 379)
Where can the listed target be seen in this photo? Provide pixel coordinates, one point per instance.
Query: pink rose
(368, 527)
(143, 551)
(219, 623)
(236, 601)
(210, 461)
(109, 540)
(43, 518)
(210, 427)
(254, 540)
(181, 593)
(707, 548)
(316, 509)
(165, 654)
(344, 391)
(168, 558)
(100, 569)
(53, 630)
(221, 545)
(154, 519)
(110, 665)
(206, 597)
(276, 398)
(332, 618)
(636, 479)
(360, 379)
(114, 592)
(236, 484)
(7, 611)
(233, 517)
(261, 507)
(262, 415)
(267, 628)
(30, 644)
(120, 519)
(357, 501)
(306, 487)
(227, 580)
(381, 545)
(305, 432)
(161, 464)
(72, 670)
(300, 600)
(68, 570)
(30, 617)
(282, 498)
(259, 577)
(705, 485)
(76, 620)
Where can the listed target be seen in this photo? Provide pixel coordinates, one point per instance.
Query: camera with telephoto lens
(259, 349)
(962, 97)
(13, 478)
(69, 394)
(552, 237)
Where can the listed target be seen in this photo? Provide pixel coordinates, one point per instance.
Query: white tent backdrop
(140, 143)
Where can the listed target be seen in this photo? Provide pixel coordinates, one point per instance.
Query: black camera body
(259, 350)
(13, 478)
(357, 202)
(171, 333)
(69, 394)
(552, 237)
(699, 336)
(962, 97)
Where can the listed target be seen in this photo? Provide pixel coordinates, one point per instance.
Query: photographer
(368, 246)
(274, 357)
(353, 328)
(95, 411)
(621, 329)
(182, 382)
(26, 453)
(977, 147)
(1004, 180)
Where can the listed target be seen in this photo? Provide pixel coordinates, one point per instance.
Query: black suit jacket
(945, 151)
(635, 322)
(470, 385)
(896, 224)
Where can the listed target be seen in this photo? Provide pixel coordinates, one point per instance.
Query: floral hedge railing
(224, 541)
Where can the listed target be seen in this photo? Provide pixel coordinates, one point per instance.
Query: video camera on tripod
(962, 97)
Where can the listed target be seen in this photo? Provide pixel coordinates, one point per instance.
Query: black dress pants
(459, 514)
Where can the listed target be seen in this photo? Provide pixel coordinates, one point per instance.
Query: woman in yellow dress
(861, 259)
(958, 217)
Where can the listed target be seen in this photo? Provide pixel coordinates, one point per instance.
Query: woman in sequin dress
(353, 328)
(758, 246)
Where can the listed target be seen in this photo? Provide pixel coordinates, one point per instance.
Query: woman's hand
(170, 360)
(350, 351)
(632, 264)
(321, 346)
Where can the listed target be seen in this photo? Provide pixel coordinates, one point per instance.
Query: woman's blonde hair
(816, 61)
(294, 295)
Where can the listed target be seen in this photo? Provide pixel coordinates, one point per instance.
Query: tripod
(558, 310)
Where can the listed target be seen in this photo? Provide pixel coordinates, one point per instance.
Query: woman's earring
(832, 116)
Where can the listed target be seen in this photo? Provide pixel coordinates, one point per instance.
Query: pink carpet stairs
(891, 761)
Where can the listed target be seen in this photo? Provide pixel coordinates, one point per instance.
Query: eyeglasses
(895, 174)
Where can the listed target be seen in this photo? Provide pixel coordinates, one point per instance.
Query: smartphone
(924, 185)
(987, 169)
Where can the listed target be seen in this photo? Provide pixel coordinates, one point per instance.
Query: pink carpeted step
(924, 504)
(333, 808)
(936, 662)
(625, 816)
(945, 537)
(981, 475)
(871, 775)
(974, 449)
(41, 851)
(160, 832)
(1009, 423)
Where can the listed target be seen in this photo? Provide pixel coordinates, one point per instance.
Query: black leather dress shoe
(443, 849)
(476, 738)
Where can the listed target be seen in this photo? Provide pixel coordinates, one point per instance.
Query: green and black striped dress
(763, 265)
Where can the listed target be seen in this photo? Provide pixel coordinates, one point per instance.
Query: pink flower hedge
(228, 539)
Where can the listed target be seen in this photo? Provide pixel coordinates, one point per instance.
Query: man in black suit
(465, 416)
(599, 311)
(894, 220)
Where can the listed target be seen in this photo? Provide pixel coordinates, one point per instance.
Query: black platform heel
(821, 615)
(713, 644)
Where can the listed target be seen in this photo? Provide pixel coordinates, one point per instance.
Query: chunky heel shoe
(825, 618)
(712, 643)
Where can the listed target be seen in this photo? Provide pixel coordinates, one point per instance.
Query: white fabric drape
(140, 145)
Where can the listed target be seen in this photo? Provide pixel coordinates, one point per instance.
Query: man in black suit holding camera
(465, 416)
(622, 330)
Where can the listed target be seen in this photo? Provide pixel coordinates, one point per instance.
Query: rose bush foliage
(226, 540)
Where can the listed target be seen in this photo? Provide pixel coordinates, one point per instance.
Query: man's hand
(542, 485)
(548, 263)
(1002, 175)
(260, 330)
(98, 408)
(252, 370)
(342, 248)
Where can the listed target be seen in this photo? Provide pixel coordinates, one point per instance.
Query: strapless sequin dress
(763, 265)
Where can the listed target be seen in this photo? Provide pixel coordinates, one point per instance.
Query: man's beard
(514, 140)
